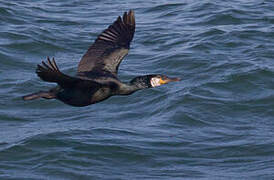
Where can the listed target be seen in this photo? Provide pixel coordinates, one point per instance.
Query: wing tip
(47, 70)
(121, 31)
(129, 18)
(131, 15)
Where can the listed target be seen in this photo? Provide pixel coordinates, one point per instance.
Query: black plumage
(96, 79)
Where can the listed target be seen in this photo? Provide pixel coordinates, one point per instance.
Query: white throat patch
(155, 82)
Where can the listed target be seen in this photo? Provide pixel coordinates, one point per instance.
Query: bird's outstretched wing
(110, 47)
(51, 73)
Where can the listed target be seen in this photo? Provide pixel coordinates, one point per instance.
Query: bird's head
(159, 79)
(152, 80)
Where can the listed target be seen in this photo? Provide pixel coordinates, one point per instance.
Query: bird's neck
(138, 83)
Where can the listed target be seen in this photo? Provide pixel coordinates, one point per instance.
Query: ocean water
(217, 123)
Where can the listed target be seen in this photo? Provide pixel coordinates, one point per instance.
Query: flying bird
(97, 79)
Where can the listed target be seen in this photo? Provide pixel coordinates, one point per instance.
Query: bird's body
(96, 79)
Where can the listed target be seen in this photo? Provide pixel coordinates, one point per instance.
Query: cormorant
(96, 79)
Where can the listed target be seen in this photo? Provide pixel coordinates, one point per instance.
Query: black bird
(96, 79)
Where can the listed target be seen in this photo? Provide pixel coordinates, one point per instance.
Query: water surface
(217, 123)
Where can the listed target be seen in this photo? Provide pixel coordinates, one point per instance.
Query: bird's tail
(40, 94)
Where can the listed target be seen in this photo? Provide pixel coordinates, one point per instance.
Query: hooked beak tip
(177, 79)
(174, 79)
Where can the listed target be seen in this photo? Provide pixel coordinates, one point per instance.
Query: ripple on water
(216, 122)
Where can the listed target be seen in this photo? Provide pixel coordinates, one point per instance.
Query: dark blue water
(217, 123)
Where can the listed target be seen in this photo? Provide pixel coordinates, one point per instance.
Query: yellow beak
(165, 81)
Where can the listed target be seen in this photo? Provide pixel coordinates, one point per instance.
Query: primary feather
(110, 47)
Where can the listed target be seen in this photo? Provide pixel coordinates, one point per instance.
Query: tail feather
(40, 94)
